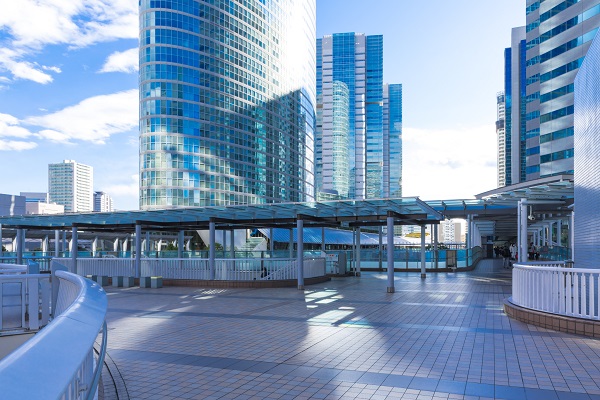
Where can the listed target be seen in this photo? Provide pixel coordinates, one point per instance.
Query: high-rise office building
(501, 138)
(392, 140)
(558, 36)
(514, 104)
(70, 184)
(356, 60)
(226, 102)
(102, 202)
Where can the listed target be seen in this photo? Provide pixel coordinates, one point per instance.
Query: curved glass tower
(227, 95)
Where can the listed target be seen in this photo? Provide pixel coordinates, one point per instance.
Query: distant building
(227, 102)
(450, 231)
(70, 184)
(501, 137)
(36, 197)
(356, 61)
(39, 207)
(102, 202)
(11, 205)
(392, 140)
(559, 34)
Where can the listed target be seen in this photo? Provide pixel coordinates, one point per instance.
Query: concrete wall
(587, 160)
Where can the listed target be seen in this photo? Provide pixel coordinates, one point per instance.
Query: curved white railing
(564, 291)
(58, 362)
(233, 269)
(11, 269)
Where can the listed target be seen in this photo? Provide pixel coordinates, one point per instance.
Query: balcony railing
(58, 362)
(557, 290)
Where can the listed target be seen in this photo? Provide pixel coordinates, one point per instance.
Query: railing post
(300, 254)
(390, 253)
(19, 242)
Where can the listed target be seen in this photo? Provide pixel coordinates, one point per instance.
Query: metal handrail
(67, 343)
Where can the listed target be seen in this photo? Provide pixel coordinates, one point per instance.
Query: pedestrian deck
(445, 337)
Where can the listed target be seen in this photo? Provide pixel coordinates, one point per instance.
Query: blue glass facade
(392, 160)
(356, 60)
(507, 118)
(226, 102)
(558, 37)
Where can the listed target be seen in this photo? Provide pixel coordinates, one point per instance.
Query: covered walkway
(444, 337)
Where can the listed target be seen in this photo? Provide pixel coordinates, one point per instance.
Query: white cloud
(122, 61)
(15, 145)
(10, 127)
(94, 119)
(29, 25)
(448, 164)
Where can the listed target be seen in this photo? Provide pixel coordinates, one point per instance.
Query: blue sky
(68, 88)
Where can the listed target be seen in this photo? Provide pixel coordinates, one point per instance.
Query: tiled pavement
(445, 337)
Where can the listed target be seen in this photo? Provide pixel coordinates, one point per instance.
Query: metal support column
(74, 247)
(358, 251)
(271, 241)
(0, 240)
(138, 251)
(435, 246)
(94, 246)
(300, 257)
(224, 243)
(423, 271)
(381, 248)
(211, 248)
(468, 233)
(148, 245)
(64, 241)
(572, 235)
(323, 239)
(19, 244)
(291, 244)
(390, 254)
(232, 247)
(558, 233)
(354, 250)
(522, 248)
(180, 244)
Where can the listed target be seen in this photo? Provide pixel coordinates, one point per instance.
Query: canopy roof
(405, 211)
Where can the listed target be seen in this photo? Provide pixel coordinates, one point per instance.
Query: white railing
(58, 362)
(11, 269)
(234, 269)
(24, 302)
(564, 291)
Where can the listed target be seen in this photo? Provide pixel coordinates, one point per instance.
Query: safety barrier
(564, 291)
(66, 343)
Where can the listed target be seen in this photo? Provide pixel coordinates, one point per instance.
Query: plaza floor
(445, 337)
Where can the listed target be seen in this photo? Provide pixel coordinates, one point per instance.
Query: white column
(435, 245)
(56, 243)
(180, 243)
(300, 254)
(291, 244)
(45, 245)
(358, 251)
(94, 246)
(522, 248)
(390, 254)
(381, 248)
(64, 241)
(572, 235)
(116, 245)
(468, 234)
(211, 249)
(519, 230)
(423, 271)
(19, 241)
(138, 251)
(74, 248)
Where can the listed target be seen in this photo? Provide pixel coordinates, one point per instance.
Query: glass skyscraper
(226, 102)
(558, 36)
(392, 140)
(355, 60)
